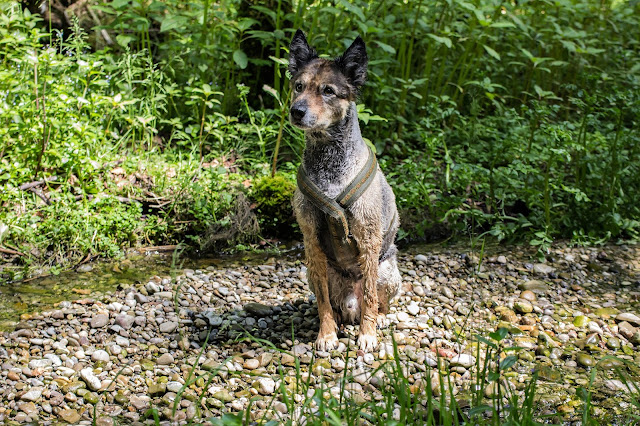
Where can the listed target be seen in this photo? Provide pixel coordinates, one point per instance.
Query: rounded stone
(251, 364)
(100, 355)
(580, 321)
(585, 360)
(523, 307)
(528, 295)
(165, 359)
(168, 327)
(99, 320)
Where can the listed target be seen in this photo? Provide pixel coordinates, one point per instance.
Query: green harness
(343, 246)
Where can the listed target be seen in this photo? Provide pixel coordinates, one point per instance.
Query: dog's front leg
(318, 278)
(319, 281)
(369, 240)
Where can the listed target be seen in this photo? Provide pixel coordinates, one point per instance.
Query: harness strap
(337, 208)
(360, 183)
(328, 205)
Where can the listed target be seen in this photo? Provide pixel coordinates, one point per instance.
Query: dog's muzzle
(299, 114)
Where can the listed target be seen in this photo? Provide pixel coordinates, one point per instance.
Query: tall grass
(432, 400)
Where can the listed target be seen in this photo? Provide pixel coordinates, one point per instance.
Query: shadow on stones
(297, 320)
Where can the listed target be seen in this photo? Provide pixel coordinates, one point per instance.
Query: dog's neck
(331, 158)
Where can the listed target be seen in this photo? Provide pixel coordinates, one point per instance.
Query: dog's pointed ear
(300, 53)
(353, 62)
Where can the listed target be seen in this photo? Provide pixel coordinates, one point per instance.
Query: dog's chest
(332, 167)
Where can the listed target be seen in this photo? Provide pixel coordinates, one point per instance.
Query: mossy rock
(273, 196)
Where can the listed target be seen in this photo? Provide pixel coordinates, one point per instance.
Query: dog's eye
(298, 87)
(328, 91)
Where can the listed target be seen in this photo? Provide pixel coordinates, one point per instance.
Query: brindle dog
(351, 285)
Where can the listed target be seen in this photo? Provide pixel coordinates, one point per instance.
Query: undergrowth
(516, 121)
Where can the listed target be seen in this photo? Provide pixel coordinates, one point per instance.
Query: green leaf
(442, 40)
(240, 58)
(539, 90)
(281, 61)
(508, 362)
(491, 52)
(493, 376)
(246, 23)
(353, 9)
(386, 47)
(499, 334)
(479, 410)
(119, 4)
(173, 22)
(124, 40)
(502, 25)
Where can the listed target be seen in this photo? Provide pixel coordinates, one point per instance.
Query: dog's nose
(297, 112)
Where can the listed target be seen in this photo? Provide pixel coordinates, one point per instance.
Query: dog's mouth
(298, 122)
(307, 124)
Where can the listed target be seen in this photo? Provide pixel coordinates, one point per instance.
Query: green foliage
(100, 227)
(273, 197)
(518, 120)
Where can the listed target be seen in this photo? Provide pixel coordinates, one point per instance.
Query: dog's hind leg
(389, 282)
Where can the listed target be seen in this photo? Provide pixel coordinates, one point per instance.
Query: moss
(272, 196)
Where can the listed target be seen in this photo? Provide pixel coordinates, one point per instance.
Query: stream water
(20, 299)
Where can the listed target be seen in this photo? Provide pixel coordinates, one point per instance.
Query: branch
(9, 251)
(30, 185)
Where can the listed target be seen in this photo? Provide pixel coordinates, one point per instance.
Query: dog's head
(322, 89)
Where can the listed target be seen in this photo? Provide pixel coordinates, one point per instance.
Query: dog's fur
(359, 290)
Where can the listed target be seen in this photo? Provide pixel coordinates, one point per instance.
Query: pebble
(266, 385)
(33, 394)
(69, 415)
(626, 329)
(157, 388)
(90, 379)
(585, 360)
(168, 327)
(543, 269)
(99, 320)
(413, 309)
(174, 386)
(534, 286)
(528, 295)
(39, 363)
(402, 316)
(629, 317)
(446, 291)
(100, 355)
(125, 321)
(580, 321)
(165, 359)
(139, 402)
(251, 364)
(258, 309)
(523, 307)
(463, 360)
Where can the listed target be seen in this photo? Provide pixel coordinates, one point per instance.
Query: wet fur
(359, 291)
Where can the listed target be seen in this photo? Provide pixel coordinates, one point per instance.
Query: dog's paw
(327, 342)
(367, 342)
(382, 321)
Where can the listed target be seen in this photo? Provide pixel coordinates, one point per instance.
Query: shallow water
(21, 298)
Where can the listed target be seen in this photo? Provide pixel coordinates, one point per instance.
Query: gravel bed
(567, 313)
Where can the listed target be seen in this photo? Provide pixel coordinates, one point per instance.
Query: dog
(345, 207)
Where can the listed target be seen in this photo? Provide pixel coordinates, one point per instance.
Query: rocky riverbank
(135, 349)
